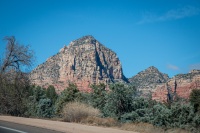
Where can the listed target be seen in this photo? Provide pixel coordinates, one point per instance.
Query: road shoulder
(61, 126)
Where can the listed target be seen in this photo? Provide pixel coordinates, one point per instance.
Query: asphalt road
(8, 127)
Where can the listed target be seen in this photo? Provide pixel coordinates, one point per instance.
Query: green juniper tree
(98, 96)
(118, 100)
(51, 93)
(195, 99)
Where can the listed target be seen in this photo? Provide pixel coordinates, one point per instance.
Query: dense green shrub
(181, 115)
(98, 96)
(38, 105)
(140, 103)
(178, 115)
(130, 117)
(45, 108)
(142, 108)
(161, 115)
(196, 121)
(38, 93)
(11, 99)
(118, 100)
(70, 94)
(51, 93)
(84, 97)
(195, 99)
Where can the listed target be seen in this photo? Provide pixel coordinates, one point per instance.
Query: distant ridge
(147, 80)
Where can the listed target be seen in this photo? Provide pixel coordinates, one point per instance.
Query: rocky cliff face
(147, 80)
(84, 61)
(184, 85)
(151, 82)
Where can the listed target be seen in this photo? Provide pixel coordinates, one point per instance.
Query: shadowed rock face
(147, 80)
(84, 61)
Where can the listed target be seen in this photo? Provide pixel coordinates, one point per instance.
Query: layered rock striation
(84, 61)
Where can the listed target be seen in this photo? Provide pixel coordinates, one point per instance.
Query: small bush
(161, 116)
(129, 117)
(195, 99)
(45, 108)
(76, 111)
(182, 115)
(196, 122)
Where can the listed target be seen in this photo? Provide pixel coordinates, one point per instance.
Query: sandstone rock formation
(184, 82)
(84, 61)
(151, 82)
(147, 80)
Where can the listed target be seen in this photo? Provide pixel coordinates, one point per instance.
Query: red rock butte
(84, 61)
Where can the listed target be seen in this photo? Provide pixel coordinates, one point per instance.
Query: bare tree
(17, 56)
(13, 79)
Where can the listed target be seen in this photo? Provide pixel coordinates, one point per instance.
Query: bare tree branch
(13, 79)
(17, 56)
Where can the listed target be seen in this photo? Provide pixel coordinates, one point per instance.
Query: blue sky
(143, 33)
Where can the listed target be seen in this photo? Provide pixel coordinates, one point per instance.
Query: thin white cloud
(172, 67)
(173, 14)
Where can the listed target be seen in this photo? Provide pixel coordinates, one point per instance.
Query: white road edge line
(12, 129)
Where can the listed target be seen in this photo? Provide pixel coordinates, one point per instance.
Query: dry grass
(149, 128)
(177, 131)
(136, 127)
(97, 121)
(141, 127)
(76, 111)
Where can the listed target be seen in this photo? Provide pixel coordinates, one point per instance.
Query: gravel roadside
(61, 126)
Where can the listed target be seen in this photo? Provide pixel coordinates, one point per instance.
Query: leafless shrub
(76, 111)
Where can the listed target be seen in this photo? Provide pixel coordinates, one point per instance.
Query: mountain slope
(147, 80)
(84, 61)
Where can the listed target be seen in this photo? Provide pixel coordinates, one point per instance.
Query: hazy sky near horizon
(143, 33)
